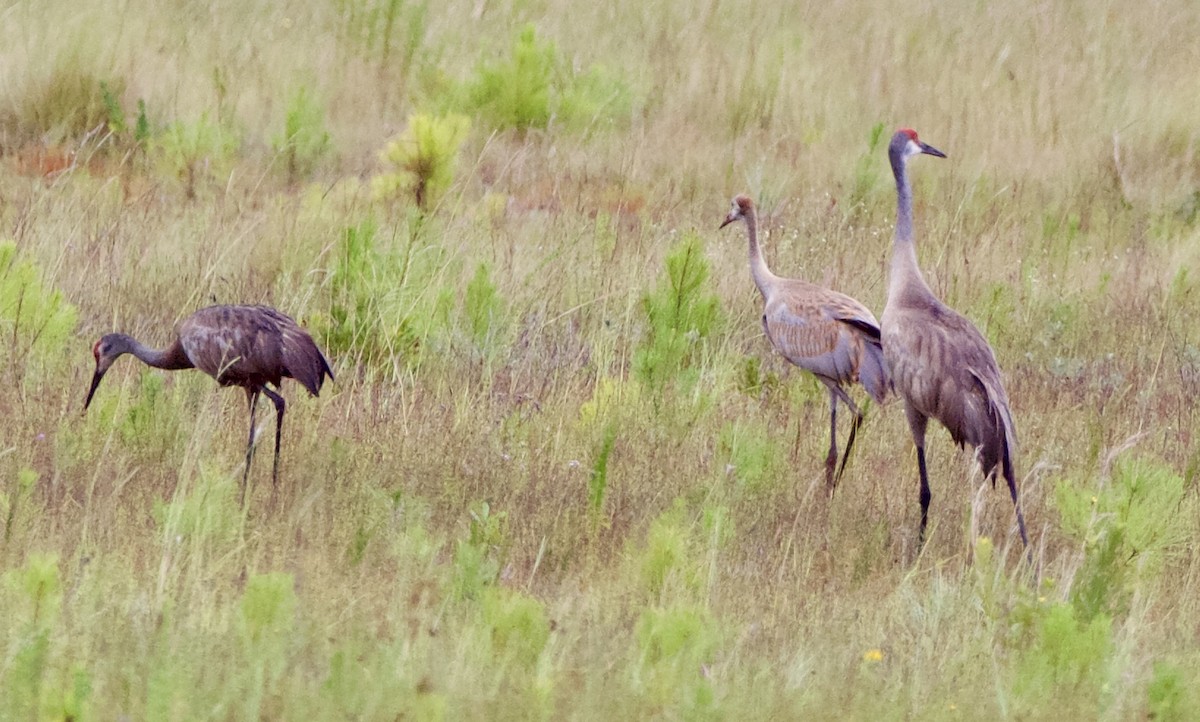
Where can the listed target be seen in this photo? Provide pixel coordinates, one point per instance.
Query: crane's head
(742, 207)
(106, 350)
(905, 144)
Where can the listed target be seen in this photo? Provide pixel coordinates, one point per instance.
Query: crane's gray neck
(904, 222)
(905, 273)
(763, 278)
(170, 358)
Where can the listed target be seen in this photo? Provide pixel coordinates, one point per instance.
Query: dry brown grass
(1060, 224)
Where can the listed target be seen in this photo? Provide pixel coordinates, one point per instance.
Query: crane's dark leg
(1010, 477)
(280, 406)
(252, 398)
(858, 419)
(925, 493)
(831, 458)
(917, 423)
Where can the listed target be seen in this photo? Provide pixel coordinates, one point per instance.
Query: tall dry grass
(490, 514)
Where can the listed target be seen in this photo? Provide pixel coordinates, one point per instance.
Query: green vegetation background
(561, 473)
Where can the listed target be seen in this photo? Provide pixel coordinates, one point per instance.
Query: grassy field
(561, 473)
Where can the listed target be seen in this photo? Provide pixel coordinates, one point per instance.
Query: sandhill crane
(827, 333)
(941, 364)
(247, 346)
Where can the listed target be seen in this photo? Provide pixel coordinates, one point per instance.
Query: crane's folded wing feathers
(250, 345)
(947, 370)
(232, 345)
(302, 359)
(832, 336)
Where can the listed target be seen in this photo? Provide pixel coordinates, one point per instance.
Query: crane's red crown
(96, 349)
(909, 132)
(743, 202)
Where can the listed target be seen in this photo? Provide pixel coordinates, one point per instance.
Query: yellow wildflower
(873, 655)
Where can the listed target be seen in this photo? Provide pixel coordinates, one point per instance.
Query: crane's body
(940, 364)
(253, 347)
(826, 333)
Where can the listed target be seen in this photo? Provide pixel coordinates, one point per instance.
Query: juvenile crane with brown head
(826, 333)
(941, 364)
(246, 346)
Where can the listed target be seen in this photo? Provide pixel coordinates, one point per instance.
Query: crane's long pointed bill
(95, 382)
(727, 222)
(926, 148)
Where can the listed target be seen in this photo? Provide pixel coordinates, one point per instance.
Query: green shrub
(476, 558)
(114, 113)
(38, 590)
(668, 560)
(384, 306)
(519, 626)
(35, 319)
(753, 381)
(483, 308)
(682, 634)
(268, 614)
(516, 92)
(1067, 661)
(305, 140)
(67, 699)
(204, 511)
(533, 86)
(141, 127)
(475, 569)
(387, 307)
(32, 596)
(747, 448)
(666, 552)
(421, 161)
(353, 313)
(487, 528)
(196, 152)
(676, 646)
(151, 426)
(598, 479)
(681, 313)
(595, 98)
(1127, 524)
(1171, 695)
(268, 607)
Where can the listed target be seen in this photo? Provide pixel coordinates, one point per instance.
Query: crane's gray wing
(849, 311)
(302, 360)
(234, 345)
(829, 334)
(945, 368)
(871, 366)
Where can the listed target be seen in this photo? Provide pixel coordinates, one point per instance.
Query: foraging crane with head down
(246, 346)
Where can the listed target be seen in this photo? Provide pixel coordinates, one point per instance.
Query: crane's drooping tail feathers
(873, 372)
(1000, 450)
(304, 360)
(872, 367)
